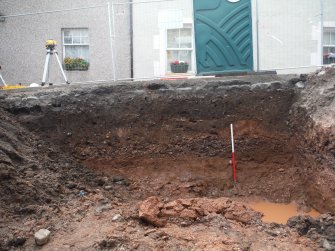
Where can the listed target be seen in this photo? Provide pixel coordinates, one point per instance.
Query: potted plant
(179, 67)
(76, 64)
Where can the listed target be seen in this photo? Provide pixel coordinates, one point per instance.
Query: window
(76, 49)
(180, 45)
(329, 46)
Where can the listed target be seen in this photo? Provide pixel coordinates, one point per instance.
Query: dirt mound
(34, 180)
(16, 162)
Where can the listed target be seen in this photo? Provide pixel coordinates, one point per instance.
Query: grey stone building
(82, 33)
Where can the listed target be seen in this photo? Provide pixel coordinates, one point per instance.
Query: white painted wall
(289, 34)
(149, 36)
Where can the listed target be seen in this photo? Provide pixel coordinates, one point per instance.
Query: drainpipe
(111, 28)
(131, 40)
(322, 28)
(257, 28)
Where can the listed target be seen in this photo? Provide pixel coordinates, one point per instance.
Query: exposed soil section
(313, 118)
(189, 176)
(81, 161)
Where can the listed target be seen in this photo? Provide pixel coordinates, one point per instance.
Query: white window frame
(167, 68)
(330, 30)
(75, 44)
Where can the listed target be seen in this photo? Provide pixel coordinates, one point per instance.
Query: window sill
(76, 69)
(189, 73)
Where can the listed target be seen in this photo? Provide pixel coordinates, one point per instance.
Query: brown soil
(80, 161)
(189, 176)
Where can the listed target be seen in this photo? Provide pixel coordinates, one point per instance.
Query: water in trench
(280, 213)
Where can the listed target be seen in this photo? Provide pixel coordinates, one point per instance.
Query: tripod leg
(48, 74)
(61, 68)
(3, 81)
(46, 68)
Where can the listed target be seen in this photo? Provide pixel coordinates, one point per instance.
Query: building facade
(223, 36)
(140, 39)
(83, 38)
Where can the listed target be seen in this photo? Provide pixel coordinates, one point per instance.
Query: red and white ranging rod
(233, 152)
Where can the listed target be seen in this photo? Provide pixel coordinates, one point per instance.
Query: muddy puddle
(280, 213)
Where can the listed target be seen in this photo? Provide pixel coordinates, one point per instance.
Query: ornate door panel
(223, 36)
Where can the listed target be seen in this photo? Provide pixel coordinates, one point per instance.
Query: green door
(223, 36)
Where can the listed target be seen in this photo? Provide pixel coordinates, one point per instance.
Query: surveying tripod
(51, 50)
(1, 78)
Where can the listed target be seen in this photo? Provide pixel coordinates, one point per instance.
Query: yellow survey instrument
(50, 44)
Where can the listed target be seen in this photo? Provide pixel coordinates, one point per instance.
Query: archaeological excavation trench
(87, 161)
(171, 139)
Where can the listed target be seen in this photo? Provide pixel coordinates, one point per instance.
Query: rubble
(322, 228)
(153, 210)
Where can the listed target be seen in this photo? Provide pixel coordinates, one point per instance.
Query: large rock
(153, 210)
(42, 237)
(149, 211)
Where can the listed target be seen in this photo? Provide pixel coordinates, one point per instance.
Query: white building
(284, 34)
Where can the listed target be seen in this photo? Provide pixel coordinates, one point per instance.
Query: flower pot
(179, 68)
(76, 67)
